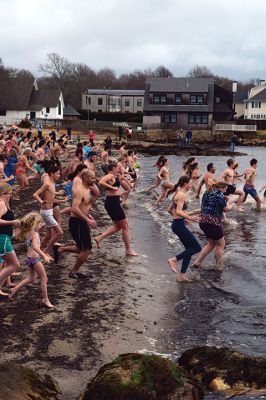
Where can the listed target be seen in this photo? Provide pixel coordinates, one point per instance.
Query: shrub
(25, 123)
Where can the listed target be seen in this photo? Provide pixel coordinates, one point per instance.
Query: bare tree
(57, 67)
(200, 71)
(162, 72)
(106, 78)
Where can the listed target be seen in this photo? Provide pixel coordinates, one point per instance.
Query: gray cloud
(227, 37)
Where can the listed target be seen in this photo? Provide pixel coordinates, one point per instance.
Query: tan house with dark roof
(21, 99)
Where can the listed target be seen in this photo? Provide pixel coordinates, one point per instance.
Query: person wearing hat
(7, 222)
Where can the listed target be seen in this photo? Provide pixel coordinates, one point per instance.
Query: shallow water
(228, 308)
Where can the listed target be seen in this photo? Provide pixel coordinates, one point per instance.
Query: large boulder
(142, 377)
(22, 383)
(224, 368)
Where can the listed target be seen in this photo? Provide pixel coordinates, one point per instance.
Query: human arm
(38, 192)
(27, 165)
(199, 188)
(104, 182)
(36, 247)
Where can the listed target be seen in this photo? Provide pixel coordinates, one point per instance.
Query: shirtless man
(249, 187)
(228, 176)
(208, 179)
(40, 154)
(79, 223)
(47, 190)
(72, 165)
(93, 155)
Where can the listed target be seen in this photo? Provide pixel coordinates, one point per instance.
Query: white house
(20, 99)
(255, 104)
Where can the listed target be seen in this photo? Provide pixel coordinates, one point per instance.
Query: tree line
(75, 78)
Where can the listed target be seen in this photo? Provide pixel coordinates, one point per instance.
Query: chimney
(234, 87)
(262, 82)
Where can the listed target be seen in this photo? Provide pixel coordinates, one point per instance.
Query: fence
(235, 128)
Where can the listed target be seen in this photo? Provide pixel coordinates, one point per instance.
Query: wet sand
(124, 304)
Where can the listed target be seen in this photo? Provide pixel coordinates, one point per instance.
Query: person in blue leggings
(192, 246)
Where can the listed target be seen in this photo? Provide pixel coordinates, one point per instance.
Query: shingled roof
(182, 85)
(70, 111)
(261, 96)
(15, 94)
(43, 98)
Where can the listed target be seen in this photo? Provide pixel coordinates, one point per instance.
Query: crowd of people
(67, 176)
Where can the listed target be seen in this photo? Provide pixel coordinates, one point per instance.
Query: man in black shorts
(79, 224)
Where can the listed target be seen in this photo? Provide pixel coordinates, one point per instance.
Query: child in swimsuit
(29, 230)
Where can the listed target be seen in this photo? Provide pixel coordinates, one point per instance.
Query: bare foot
(3, 293)
(46, 303)
(183, 278)
(173, 264)
(239, 209)
(131, 253)
(97, 241)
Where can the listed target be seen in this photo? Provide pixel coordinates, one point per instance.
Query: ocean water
(227, 308)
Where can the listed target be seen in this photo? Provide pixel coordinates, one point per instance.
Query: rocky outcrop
(172, 148)
(142, 377)
(224, 368)
(22, 383)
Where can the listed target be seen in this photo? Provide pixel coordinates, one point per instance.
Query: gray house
(186, 102)
(111, 101)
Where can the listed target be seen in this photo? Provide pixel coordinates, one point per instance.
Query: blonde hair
(28, 223)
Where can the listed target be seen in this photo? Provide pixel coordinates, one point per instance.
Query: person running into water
(213, 206)
(249, 187)
(177, 210)
(21, 169)
(29, 231)
(228, 176)
(47, 190)
(7, 222)
(157, 181)
(114, 209)
(164, 177)
(208, 179)
(79, 224)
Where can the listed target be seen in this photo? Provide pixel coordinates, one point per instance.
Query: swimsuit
(48, 218)
(80, 232)
(250, 189)
(113, 206)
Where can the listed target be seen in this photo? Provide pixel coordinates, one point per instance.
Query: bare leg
(126, 239)
(110, 231)
(240, 200)
(27, 281)
(219, 252)
(173, 264)
(204, 252)
(11, 265)
(258, 201)
(39, 268)
(82, 257)
(56, 234)
(162, 196)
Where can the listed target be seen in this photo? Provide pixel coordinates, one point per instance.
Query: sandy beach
(120, 307)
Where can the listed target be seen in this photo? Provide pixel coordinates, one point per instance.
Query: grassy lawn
(261, 133)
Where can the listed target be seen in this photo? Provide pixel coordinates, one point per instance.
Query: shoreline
(121, 307)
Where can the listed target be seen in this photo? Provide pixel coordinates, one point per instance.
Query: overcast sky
(227, 36)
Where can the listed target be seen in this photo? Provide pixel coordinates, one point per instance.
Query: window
(88, 100)
(100, 101)
(257, 104)
(178, 98)
(217, 100)
(159, 98)
(99, 111)
(139, 102)
(170, 118)
(59, 108)
(252, 104)
(47, 110)
(198, 118)
(2, 112)
(127, 102)
(196, 99)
